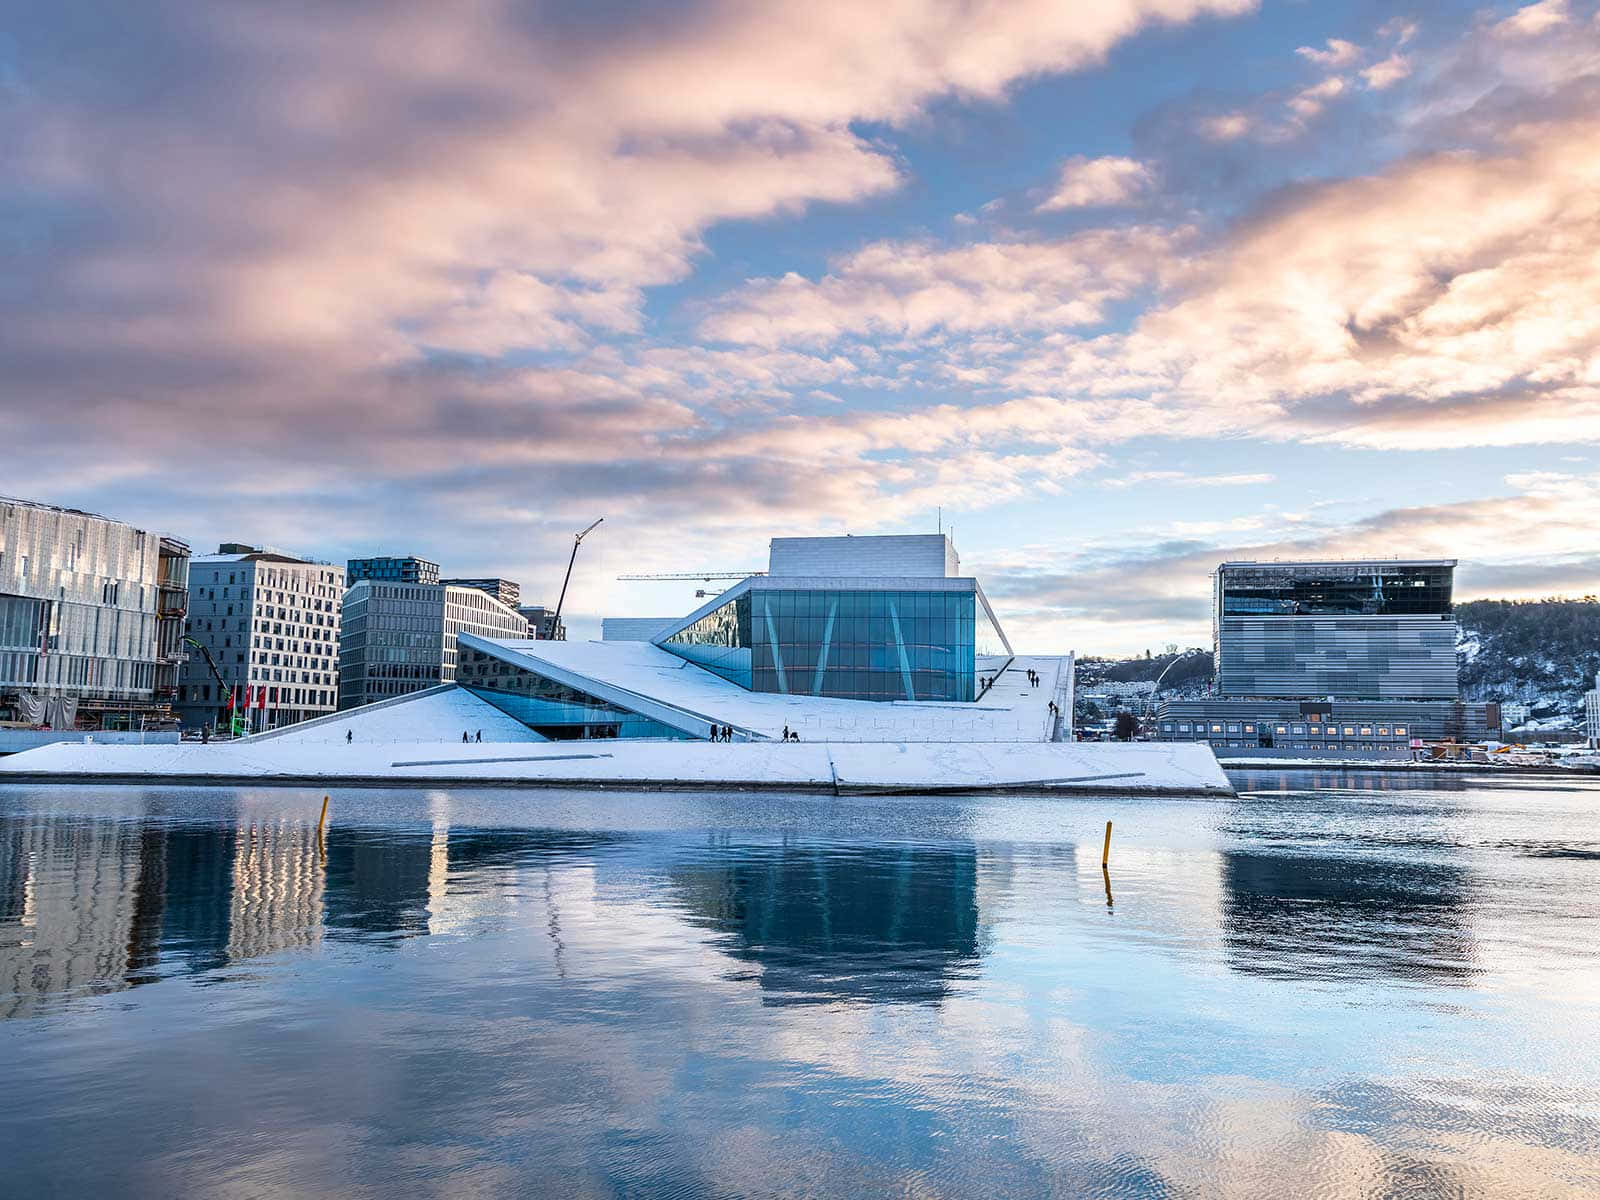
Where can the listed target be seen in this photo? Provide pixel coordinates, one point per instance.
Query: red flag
(249, 695)
(261, 697)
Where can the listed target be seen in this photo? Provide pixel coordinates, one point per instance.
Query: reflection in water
(1326, 917)
(830, 923)
(672, 996)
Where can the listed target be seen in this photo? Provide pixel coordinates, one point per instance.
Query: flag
(261, 697)
(249, 695)
(233, 696)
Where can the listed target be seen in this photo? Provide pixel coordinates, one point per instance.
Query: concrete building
(506, 591)
(1591, 715)
(91, 619)
(270, 622)
(1333, 658)
(399, 638)
(407, 569)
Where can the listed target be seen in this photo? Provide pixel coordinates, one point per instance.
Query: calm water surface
(1336, 985)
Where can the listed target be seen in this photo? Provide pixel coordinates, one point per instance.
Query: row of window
(1283, 729)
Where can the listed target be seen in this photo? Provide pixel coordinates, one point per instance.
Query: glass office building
(854, 640)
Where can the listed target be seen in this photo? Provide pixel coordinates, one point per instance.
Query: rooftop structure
(406, 569)
(543, 623)
(507, 591)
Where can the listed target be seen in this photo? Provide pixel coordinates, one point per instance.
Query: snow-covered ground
(1154, 768)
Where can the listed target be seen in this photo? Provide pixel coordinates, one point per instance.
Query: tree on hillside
(1126, 727)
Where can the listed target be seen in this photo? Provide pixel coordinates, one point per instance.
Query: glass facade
(1335, 589)
(548, 707)
(864, 644)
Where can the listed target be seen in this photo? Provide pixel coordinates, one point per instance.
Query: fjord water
(1335, 985)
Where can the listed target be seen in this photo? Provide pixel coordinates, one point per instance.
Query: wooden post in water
(322, 821)
(1105, 854)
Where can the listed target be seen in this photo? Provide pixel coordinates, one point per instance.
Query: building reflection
(1347, 919)
(819, 924)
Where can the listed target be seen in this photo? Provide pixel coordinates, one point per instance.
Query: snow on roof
(643, 676)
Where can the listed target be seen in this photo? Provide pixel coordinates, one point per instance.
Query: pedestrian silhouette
(464, 736)
(349, 736)
(479, 738)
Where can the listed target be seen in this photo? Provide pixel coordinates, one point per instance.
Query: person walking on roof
(349, 736)
(464, 736)
(479, 738)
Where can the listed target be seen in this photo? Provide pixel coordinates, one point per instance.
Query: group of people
(1055, 709)
(465, 738)
(790, 735)
(985, 682)
(722, 733)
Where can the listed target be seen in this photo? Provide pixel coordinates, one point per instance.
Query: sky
(1112, 291)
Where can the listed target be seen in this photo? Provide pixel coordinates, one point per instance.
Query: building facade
(506, 591)
(399, 638)
(1375, 630)
(814, 626)
(406, 569)
(269, 625)
(1331, 657)
(91, 619)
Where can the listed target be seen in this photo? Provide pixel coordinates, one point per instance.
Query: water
(1336, 985)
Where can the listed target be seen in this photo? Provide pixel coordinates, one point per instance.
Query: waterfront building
(543, 623)
(406, 569)
(1331, 657)
(91, 619)
(831, 655)
(270, 623)
(506, 591)
(399, 638)
(1591, 715)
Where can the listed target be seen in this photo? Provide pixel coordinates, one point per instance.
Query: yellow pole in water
(1105, 854)
(323, 819)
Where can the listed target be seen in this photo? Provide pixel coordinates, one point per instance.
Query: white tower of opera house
(863, 639)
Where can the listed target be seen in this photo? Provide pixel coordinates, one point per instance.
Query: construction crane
(577, 540)
(702, 576)
(705, 576)
(236, 725)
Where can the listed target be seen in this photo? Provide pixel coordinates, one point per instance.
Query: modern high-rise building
(401, 637)
(406, 569)
(1367, 630)
(507, 591)
(269, 623)
(91, 619)
(1591, 714)
(1331, 656)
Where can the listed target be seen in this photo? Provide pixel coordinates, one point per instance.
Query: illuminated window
(1399, 731)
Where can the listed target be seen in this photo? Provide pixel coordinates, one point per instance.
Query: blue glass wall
(857, 645)
(548, 707)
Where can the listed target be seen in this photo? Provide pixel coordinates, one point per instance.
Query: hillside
(1542, 652)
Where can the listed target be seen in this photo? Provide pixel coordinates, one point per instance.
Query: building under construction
(91, 619)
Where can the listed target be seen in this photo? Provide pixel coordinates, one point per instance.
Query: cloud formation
(1093, 182)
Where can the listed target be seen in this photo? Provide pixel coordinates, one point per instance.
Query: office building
(543, 623)
(269, 625)
(91, 619)
(408, 569)
(399, 638)
(506, 591)
(1333, 657)
(1591, 715)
